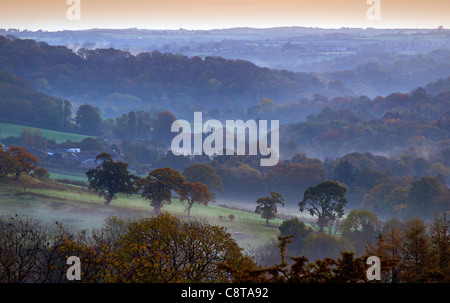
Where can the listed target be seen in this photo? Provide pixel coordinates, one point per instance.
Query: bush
(30, 251)
(158, 249)
(323, 245)
(41, 173)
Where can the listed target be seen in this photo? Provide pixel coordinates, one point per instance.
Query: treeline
(420, 104)
(410, 251)
(17, 161)
(117, 81)
(374, 72)
(399, 123)
(403, 186)
(414, 124)
(159, 249)
(20, 103)
(165, 249)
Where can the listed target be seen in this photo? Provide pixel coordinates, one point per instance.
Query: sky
(52, 15)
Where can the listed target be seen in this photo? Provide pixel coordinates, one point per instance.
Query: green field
(78, 209)
(14, 130)
(67, 175)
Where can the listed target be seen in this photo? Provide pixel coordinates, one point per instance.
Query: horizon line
(225, 28)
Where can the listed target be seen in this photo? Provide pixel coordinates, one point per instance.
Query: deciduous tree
(267, 206)
(196, 192)
(89, 120)
(298, 230)
(22, 161)
(111, 178)
(360, 227)
(205, 174)
(158, 186)
(325, 200)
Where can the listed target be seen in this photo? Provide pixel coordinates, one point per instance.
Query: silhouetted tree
(158, 186)
(298, 230)
(89, 120)
(111, 178)
(267, 206)
(326, 201)
(162, 128)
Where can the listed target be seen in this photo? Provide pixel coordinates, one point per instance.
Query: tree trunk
(157, 208)
(321, 223)
(108, 199)
(189, 208)
(267, 221)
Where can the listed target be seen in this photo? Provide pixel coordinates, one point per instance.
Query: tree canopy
(267, 206)
(158, 186)
(196, 192)
(325, 200)
(110, 178)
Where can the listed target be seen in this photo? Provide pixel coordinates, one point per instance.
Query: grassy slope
(80, 209)
(62, 174)
(15, 130)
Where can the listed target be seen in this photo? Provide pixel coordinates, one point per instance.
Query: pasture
(78, 209)
(15, 130)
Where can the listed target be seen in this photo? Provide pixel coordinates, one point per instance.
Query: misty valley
(241, 155)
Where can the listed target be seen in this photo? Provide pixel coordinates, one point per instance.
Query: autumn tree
(205, 174)
(440, 244)
(340, 270)
(183, 251)
(158, 186)
(22, 161)
(267, 206)
(389, 249)
(160, 249)
(111, 178)
(196, 192)
(325, 200)
(41, 173)
(415, 250)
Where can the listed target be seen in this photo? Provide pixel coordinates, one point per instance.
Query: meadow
(15, 130)
(78, 209)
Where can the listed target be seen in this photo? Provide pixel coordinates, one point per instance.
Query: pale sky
(213, 14)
